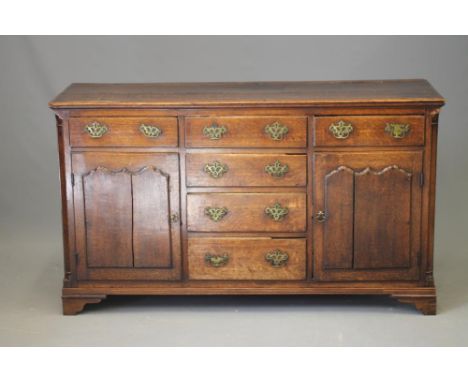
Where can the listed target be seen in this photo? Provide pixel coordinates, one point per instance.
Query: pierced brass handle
(320, 216)
(216, 213)
(277, 169)
(397, 130)
(174, 217)
(276, 131)
(277, 212)
(217, 260)
(150, 131)
(277, 258)
(214, 131)
(96, 129)
(216, 169)
(341, 129)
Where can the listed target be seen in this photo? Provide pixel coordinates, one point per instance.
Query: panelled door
(367, 215)
(127, 216)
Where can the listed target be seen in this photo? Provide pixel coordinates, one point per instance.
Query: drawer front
(238, 170)
(246, 259)
(142, 132)
(392, 130)
(270, 132)
(246, 212)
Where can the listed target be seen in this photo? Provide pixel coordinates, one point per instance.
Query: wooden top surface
(219, 94)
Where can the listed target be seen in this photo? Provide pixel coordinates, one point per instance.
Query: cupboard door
(126, 216)
(367, 212)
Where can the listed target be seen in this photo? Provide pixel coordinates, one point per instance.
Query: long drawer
(382, 130)
(246, 259)
(246, 212)
(271, 132)
(114, 131)
(239, 170)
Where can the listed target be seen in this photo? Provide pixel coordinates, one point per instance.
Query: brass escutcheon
(174, 217)
(321, 216)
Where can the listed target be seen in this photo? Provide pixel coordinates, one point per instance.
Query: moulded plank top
(219, 94)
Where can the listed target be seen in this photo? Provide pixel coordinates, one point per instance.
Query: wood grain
(124, 132)
(246, 170)
(369, 131)
(244, 131)
(225, 94)
(382, 238)
(337, 229)
(108, 234)
(246, 212)
(246, 259)
(137, 223)
(382, 219)
(151, 219)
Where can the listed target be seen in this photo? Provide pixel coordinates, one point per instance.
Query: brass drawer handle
(276, 131)
(277, 258)
(216, 213)
(217, 260)
(214, 131)
(397, 130)
(276, 212)
(96, 129)
(277, 169)
(216, 169)
(150, 131)
(341, 129)
(321, 216)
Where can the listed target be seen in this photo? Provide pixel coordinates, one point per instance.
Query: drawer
(246, 212)
(390, 130)
(231, 170)
(143, 132)
(270, 132)
(246, 259)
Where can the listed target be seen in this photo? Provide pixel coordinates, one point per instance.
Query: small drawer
(269, 132)
(141, 132)
(246, 259)
(240, 170)
(246, 212)
(389, 130)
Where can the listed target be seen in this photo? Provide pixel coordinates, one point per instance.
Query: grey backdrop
(34, 69)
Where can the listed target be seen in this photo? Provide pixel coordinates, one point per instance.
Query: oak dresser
(248, 188)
